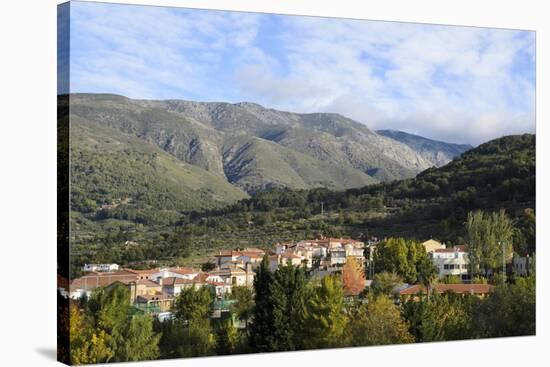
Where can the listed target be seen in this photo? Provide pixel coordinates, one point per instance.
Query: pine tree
(288, 300)
(326, 318)
(261, 328)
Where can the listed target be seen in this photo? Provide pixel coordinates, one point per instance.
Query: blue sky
(459, 84)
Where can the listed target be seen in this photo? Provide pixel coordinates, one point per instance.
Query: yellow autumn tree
(353, 277)
(86, 346)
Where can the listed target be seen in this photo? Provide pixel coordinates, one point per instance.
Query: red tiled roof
(182, 271)
(170, 281)
(147, 283)
(94, 280)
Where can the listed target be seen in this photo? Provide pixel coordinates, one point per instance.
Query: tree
(109, 308)
(439, 317)
(87, 345)
(198, 339)
(192, 313)
(261, 328)
(326, 321)
(510, 310)
(227, 337)
(193, 304)
(288, 297)
(353, 277)
(378, 322)
(525, 234)
(244, 305)
(140, 342)
(406, 258)
(489, 238)
(385, 284)
(117, 335)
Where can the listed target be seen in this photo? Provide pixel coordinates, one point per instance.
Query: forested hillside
(497, 174)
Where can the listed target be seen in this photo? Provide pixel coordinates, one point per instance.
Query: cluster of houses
(155, 290)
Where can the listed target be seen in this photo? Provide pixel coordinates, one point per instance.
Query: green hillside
(497, 174)
(257, 164)
(118, 170)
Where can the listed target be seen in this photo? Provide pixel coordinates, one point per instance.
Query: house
(451, 261)
(143, 274)
(523, 265)
(87, 283)
(143, 287)
(155, 303)
(432, 245)
(480, 290)
(100, 267)
(173, 285)
(250, 254)
(337, 256)
(285, 258)
(184, 273)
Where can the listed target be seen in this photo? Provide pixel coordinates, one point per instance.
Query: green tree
(228, 340)
(439, 317)
(406, 258)
(198, 339)
(489, 237)
(378, 322)
(288, 297)
(193, 304)
(385, 284)
(326, 320)
(87, 345)
(510, 310)
(140, 341)
(244, 305)
(262, 315)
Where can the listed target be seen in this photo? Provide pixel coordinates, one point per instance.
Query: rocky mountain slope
(246, 146)
(438, 153)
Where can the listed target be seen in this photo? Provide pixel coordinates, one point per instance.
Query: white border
(28, 184)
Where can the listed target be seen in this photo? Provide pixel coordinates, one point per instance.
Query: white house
(451, 261)
(100, 267)
(523, 265)
(183, 273)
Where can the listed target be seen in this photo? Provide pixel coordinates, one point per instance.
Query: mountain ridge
(253, 147)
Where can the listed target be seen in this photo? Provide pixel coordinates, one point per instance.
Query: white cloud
(452, 83)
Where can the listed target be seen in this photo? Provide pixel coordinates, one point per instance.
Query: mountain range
(183, 154)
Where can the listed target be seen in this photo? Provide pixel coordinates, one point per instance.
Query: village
(154, 291)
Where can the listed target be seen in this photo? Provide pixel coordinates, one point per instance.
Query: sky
(452, 83)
